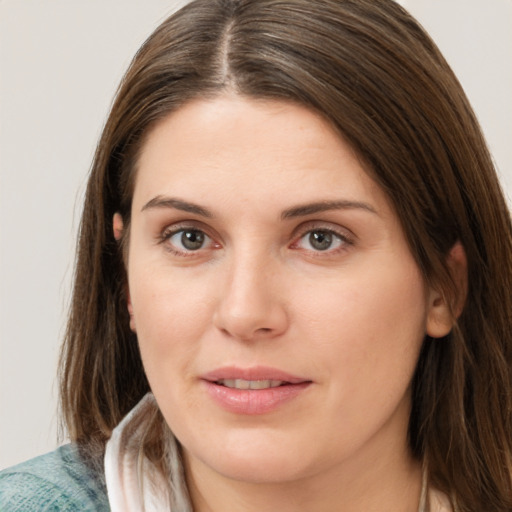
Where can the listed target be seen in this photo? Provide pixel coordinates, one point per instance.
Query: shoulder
(58, 481)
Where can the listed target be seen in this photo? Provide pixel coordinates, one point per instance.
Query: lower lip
(253, 401)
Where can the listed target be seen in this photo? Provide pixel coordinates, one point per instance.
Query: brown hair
(369, 68)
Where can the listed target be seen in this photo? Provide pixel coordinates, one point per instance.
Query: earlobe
(439, 320)
(117, 226)
(443, 312)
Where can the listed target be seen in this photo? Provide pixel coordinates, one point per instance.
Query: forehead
(252, 149)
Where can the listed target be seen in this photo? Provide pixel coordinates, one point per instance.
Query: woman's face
(278, 308)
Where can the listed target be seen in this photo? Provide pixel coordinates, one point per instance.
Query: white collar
(134, 484)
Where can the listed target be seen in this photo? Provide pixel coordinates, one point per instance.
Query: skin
(350, 318)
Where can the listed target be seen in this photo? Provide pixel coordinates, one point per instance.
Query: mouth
(253, 391)
(250, 384)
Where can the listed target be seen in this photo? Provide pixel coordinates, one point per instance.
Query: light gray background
(60, 63)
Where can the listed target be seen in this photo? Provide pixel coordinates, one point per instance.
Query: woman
(293, 235)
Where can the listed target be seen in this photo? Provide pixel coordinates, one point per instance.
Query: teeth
(249, 384)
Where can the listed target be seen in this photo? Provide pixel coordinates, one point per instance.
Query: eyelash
(343, 239)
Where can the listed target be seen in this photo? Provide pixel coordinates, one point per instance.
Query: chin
(253, 459)
(261, 469)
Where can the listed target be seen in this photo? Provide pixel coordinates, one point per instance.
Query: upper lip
(252, 373)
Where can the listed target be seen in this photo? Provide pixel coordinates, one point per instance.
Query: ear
(130, 310)
(117, 226)
(443, 313)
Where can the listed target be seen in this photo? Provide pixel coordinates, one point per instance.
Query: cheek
(368, 329)
(379, 300)
(171, 314)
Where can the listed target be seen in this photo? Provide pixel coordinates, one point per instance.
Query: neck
(391, 485)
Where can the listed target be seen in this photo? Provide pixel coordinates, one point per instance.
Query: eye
(187, 240)
(321, 240)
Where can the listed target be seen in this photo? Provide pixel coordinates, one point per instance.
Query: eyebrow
(323, 206)
(178, 204)
(290, 213)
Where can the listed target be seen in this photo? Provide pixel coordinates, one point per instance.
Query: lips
(256, 390)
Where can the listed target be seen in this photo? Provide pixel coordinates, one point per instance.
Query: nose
(251, 304)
